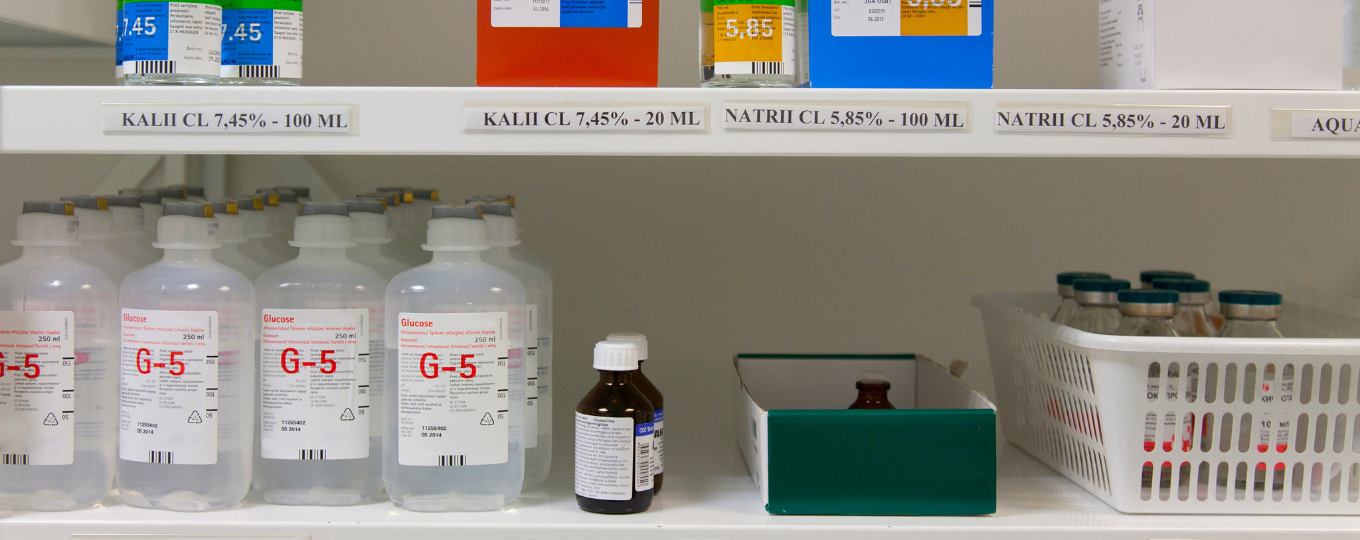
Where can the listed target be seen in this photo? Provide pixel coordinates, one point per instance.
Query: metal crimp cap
(61, 208)
(319, 208)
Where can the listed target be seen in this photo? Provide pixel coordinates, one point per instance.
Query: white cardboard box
(1221, 44)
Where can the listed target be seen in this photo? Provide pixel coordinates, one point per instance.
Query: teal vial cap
(1068, 278)
(1149, 296)
(1251, 298)
(1182, 285)
(1151, 276)
(1100, 285)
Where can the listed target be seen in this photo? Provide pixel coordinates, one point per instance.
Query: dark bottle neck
(615, 378)
(872, 396)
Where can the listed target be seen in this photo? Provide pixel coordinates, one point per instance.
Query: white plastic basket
(1187, 425)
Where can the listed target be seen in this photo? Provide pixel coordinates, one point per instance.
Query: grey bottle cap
(426, 194)
(194, 191)
(191, 209)
(319, 209)
(226, 208)
(485, 198)
(49, 207)
(127, 201)
(369, 206)
(88, 202)
(171, 193)
(464, 212)
(393, 199)
(396, 189)
(250, 204)
(149, 198)
(302, 191)
(287, 197)
(498, 209)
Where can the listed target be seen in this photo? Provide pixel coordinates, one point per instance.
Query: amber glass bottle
(873, 392)
(653, 396)
(614, 434)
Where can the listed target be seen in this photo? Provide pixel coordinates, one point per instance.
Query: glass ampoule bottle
(1251, 314)
(1147, 313)
(614, 436)
(1192, 318)
(873, 389)
(754, 44)
(1068, 308)
(1098, 301)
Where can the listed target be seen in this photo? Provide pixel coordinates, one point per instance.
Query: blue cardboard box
(901, 43)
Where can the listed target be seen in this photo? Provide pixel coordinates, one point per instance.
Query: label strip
(1315, 124)
(231, 119)
(1146, 120)
(782, 116)
(586, 118)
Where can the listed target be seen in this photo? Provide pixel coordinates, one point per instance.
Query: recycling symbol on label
(487, 421)
(51, 420)
(195, 418)
(347, 415)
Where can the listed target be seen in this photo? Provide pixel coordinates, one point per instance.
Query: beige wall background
(715, 256)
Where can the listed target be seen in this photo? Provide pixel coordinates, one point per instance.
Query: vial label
(167, 410)
(264, 41)
(172, 38)
(754, 38)
(454, 384)
(531, 377)
(314, 384)
(118, 41)
(566, 13)
(850, 18)
(658, 438)
(613, 457)
(37, 388)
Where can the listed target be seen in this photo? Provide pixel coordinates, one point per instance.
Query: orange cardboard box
(610, 43)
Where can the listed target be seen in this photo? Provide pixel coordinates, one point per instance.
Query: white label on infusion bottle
(613, 457)
(167, 411)
(531, 377)
(861, 18)
(169, 38)
(566, 13)
(454, 389)
(314, 385)
(37, 388)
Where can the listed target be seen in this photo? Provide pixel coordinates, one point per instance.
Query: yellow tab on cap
(233, 208)
(273, 200)
(101, 203)
(510, 199)
(70, 208)
(208, 211)
(257, 203)
(434, 195)
(408, 197)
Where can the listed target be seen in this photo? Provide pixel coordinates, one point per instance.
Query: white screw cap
(632, 337)
(616, 356)
(872, 377)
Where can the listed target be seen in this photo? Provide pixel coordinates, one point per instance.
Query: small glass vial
(754, 43)
(1069, 304)
(1192, 318)
(1251, 314)
(1148, 278)
(614, 433)
(873, 391)
(153, 54)
(1147, 313)
(262, 42)
(1098, 301)
(658, 402)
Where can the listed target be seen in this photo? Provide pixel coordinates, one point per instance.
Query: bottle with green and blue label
(262, 42)
(171, 43)
(118, 43)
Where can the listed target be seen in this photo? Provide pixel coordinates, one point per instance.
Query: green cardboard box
(808, 454)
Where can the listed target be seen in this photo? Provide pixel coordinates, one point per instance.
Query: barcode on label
(16, 459)
(452, 461)
(767, 68)
(644, 460)
(161, 458)
(150, 67)
(259, 72)
(311, 455)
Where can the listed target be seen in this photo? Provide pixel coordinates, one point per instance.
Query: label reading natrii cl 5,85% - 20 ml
(168, 39)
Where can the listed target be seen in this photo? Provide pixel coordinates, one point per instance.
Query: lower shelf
(1034, 502)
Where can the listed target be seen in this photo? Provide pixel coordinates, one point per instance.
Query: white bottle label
(613, 457)
(314, 384)
(658, 444)
(167, 411)
(163, 38)
(566, 13)
(531, 377)
(37, 388)
(454, 389)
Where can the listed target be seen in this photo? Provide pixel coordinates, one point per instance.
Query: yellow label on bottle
(748, 33)
(935, 17)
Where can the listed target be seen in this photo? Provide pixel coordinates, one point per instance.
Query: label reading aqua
(262, 39)
(566, 13)
(171, 38)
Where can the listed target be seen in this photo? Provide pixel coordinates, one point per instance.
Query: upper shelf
(380, 120)
(56, 23)
(708, 500)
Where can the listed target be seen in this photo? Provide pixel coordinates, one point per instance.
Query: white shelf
(56, 23)
(1034, 503)
(430, 121)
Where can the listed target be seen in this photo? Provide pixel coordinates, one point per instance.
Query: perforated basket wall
(1186, 425)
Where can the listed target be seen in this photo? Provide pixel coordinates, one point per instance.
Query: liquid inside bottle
(873, 391)
(614, 437)
(1251, 314)
(1147, 313)
(1069, 306)
(1192, 318)
(1098, 301)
